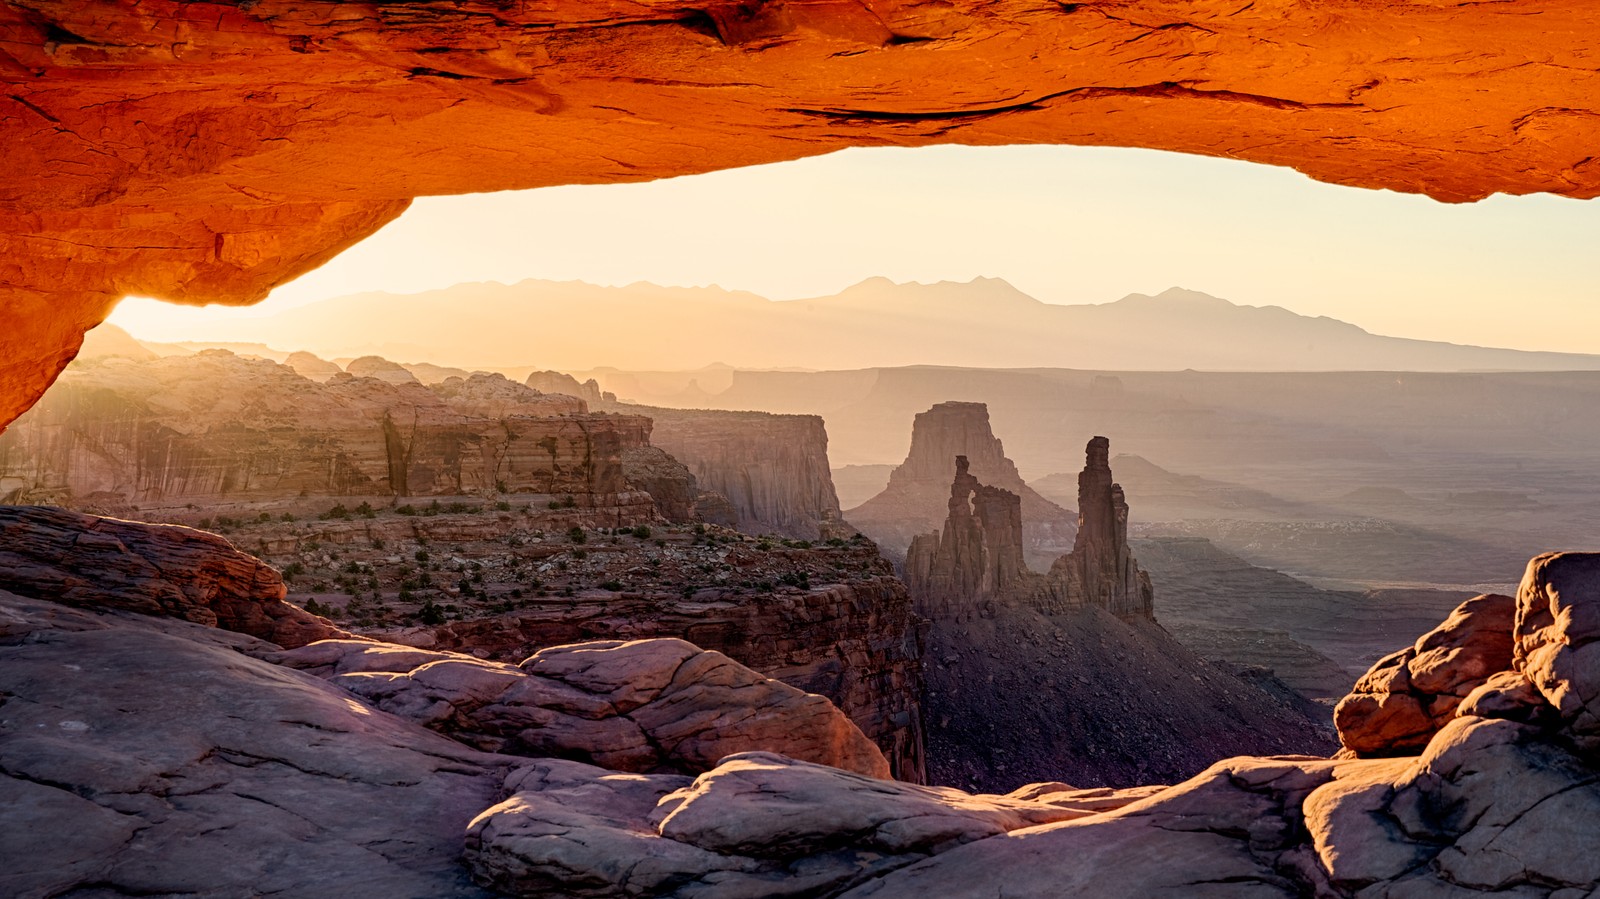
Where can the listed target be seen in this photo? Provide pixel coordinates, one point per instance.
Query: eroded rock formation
(976, 558)
(910, 505)
(674, 487)
(1501, 801)
(162, 570)
(561, 382)
(217, 428)
(1101, 570)
(646, 706)
(856, 643)
(773, 469)
(1067, 674)
(1398, 706)
(208, 157)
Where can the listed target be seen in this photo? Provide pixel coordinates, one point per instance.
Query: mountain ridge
(981, 323)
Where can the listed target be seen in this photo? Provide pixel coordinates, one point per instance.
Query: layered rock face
(773, 469)
(918, 487)
(336, 771)
(674, 487)
(1101, 570)
(216, 428)
(164, 570)
(977, 558)
(648, 706)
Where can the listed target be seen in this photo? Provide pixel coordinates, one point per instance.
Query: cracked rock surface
(147, 756)
(660, 705)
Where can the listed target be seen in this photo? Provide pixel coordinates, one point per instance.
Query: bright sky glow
(1065, 224)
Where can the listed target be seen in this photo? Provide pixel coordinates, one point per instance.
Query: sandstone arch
(206, 151)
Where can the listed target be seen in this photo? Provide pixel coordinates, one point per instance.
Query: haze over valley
(984, 323)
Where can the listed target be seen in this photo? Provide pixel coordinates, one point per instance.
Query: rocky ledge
(145, 755)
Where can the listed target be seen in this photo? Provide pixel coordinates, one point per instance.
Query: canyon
(772, 469)
(161, 733)
(191, 437)
(388, 769)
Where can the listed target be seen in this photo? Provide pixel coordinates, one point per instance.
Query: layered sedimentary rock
(916, 496)
(674, 487)
(977, 558)
(773, 469)
(759, 825)
(163, 570)
(975, 561)
(646, 706)
(1501, 801)
(216, 428)
(1408, 696)
(206, 158)
(1101, 570)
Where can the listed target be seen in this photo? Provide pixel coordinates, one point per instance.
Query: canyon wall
(916, 496)
(773, 469)
(217, 428)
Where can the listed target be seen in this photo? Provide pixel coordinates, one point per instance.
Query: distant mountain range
(984, 323)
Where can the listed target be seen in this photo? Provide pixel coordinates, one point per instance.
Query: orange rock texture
(206, 151)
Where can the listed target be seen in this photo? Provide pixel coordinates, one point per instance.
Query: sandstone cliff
(1101, 570)
(914, 500)
(773, 469)
(216, 428)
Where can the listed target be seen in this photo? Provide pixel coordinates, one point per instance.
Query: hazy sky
(1065, 224)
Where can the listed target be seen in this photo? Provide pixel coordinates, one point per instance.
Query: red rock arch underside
(205, 152)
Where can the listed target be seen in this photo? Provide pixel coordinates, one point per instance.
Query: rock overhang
(205, 152)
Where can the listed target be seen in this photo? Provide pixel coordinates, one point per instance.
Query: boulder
(1397, 706)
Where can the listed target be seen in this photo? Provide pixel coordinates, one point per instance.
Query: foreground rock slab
(758, 825)
(145, 756)
(662, 705)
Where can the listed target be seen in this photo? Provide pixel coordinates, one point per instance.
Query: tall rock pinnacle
(1101, 570)
(977, 557)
